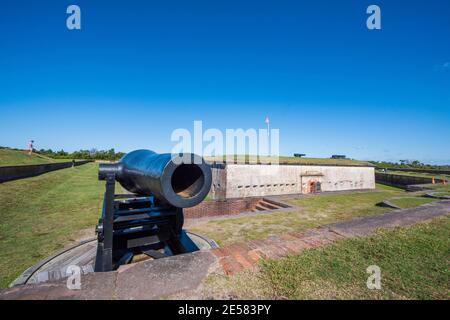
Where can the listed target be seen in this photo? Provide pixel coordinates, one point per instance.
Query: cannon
(148, 219)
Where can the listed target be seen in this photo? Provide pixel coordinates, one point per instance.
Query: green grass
(413, 261)
(419, 174)
(414, 265)
(295, 160)
(313, 211)
(380, 186)
(40, 215)
(442, 194)
(441, 188)
(9, 157)
(410, 202)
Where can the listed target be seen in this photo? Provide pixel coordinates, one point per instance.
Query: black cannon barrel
(182, 180)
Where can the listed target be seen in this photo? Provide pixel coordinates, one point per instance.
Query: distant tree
(92, 152)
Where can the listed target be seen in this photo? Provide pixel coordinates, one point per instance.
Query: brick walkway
(240, 256)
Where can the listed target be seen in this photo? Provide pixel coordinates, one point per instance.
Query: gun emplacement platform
(144, 223)
(148, 221)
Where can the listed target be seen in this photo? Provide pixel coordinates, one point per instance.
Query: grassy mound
(294, 160)
(11, 157)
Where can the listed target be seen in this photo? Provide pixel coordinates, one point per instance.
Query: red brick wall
(221, 208)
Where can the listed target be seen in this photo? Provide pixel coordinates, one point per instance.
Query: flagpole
(268, 134)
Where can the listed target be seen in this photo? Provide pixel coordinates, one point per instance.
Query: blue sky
(137, 70)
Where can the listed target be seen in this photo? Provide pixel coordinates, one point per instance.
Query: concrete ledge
(438, 195)
(388, 204)
(432, 171)
(150, 279)
(98, 286)
(9, 173)
(399, 180)
(163, 277)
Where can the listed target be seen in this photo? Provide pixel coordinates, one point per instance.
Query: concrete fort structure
(257, 180)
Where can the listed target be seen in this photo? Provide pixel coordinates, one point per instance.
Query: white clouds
(442, 67)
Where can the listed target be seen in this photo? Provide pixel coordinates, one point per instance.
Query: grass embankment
(413, 261)
(294, 160)
(40, 215)
(441, 193)
(313, 211)
(441, 188)
(410, 202)
(10, 157)
(418, 174)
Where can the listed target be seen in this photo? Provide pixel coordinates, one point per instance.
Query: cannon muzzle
(182, 180)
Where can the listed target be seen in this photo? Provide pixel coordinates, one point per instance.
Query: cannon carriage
(149, 218)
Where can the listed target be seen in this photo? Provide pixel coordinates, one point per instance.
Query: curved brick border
(27, 274)
(59, 260)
